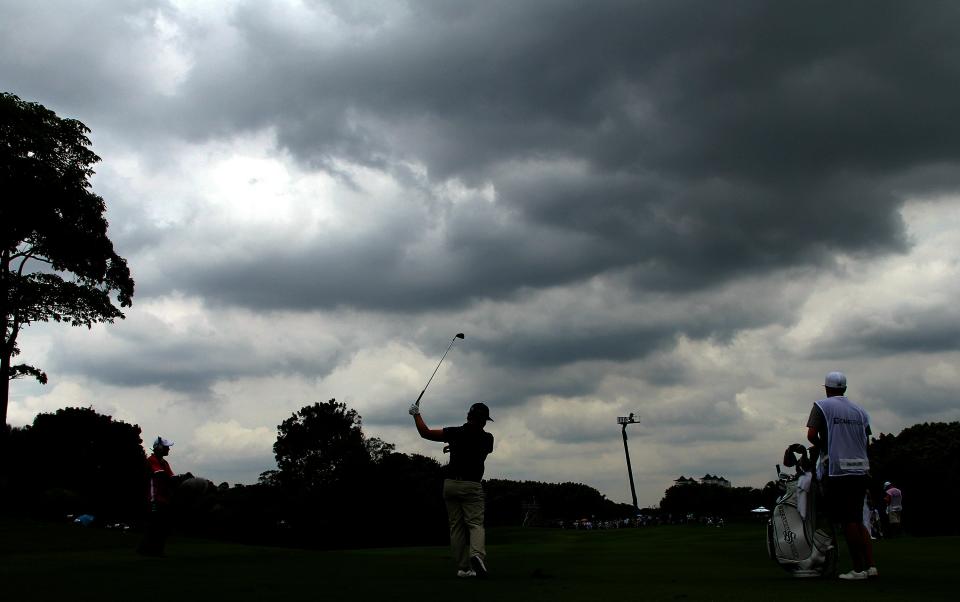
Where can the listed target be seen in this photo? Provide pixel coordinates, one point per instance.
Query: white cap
(161, 441)
(836, 380)
(887, 484)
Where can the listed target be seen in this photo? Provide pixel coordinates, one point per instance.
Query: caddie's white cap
(836, 380)
(161, 441)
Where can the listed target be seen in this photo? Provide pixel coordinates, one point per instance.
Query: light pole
(624, 421)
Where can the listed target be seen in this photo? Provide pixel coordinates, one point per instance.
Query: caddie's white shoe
(465, 574)
(872, 572)
(854, 575)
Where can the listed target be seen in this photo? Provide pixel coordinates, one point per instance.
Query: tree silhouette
(56, 262)
(712, 500)
(320, 446)
(78, 461)
(924, 462)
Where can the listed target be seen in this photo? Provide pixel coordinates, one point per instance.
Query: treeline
(728, 503)
(333, 486)
(533, 503)
(923, 461)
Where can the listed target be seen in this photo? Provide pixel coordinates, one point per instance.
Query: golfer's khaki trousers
(464, 501)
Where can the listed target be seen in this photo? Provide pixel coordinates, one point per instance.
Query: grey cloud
(905, 330)
(87, 64)
(910, 398)
(183, 368)
(717, 142)
(578, 329)
(142, 352)
(380, 268)
(709, 144)
(700, 416)
(565, 346)
(575, 429)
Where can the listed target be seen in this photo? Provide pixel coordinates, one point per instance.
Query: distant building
(709, 479)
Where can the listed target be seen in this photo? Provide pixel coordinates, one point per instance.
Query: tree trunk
(4, 431)
(4, 386)
(6, 346)
(5, 350)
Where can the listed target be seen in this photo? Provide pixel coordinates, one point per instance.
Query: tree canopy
(923, 461)
(76, 460)
(320, 445)
(710, 500)
(56, 261)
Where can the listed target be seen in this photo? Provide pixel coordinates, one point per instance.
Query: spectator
(893, 497)
(158, 496)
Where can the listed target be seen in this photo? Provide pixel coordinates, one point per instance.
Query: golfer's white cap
(887, 484)
(160, 441)
(836, 380)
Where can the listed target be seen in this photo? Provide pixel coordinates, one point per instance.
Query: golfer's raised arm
(422, 428)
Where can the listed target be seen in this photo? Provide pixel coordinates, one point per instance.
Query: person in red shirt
(159, 493)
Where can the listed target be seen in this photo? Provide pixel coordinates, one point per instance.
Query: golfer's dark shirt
(469, 446)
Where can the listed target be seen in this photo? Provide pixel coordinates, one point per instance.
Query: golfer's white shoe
(872, 572)
(465, 574)
(854, 575)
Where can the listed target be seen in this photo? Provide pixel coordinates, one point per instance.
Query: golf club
(459, 335)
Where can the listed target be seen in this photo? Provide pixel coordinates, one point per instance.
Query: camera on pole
(624, 421)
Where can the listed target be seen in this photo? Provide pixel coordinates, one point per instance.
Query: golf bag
(798, 538)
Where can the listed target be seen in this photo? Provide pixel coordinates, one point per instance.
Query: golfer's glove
(414, 409)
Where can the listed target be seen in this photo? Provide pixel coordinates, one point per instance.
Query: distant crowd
(642, 520)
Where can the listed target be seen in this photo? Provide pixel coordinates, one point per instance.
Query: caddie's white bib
(847, 425)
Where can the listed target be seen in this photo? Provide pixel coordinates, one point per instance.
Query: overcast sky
(687, 210)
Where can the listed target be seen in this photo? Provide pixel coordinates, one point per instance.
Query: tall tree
(321, 446)
(77, 460)
(56, 261)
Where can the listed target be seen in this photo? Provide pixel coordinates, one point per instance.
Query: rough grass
(56, 562)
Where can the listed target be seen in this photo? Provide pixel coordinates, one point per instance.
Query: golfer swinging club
(462, 492)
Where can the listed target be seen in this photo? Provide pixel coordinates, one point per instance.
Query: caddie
(839, 430)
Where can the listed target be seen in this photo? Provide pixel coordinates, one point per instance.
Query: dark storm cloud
(906, 330)
(380, 268)
(911, 399)
(145, 352)
(714, 140)
(686, 144)
(88, 64)
(191, 368)
(702, 89)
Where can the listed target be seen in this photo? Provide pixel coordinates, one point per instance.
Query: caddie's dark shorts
(844, 498)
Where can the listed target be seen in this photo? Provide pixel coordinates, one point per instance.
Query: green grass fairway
(65, 562)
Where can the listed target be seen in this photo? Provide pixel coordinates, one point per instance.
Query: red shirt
(160, 473)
